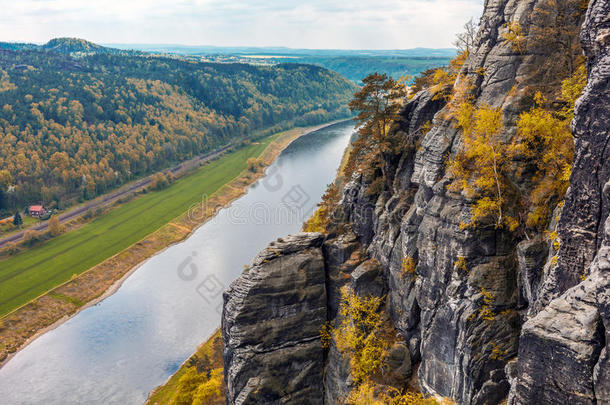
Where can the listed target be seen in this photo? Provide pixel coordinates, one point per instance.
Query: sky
(314, 24)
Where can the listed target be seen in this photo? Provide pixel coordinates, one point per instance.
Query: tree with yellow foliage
(480, 166)
(443, 79)
(359, 334)
(55, 227)
(320, 219)
(544, 138)
(514, 35)
(210, 391)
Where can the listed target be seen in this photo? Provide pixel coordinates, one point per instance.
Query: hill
(74, 47)
(78, 47)
(74, 128)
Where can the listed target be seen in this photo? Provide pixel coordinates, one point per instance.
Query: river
(117, 351)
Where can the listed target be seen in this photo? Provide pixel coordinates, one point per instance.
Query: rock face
(545, 341)
(438, 313)
(582, 221)
(563, 350)
(271, 325)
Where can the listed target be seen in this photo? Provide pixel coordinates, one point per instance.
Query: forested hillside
(75, 128)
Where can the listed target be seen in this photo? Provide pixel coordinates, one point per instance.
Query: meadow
(36, 271)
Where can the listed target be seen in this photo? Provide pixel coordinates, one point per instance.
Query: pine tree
(17, 220)
(377, 105)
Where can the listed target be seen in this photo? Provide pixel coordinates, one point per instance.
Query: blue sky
(346, 24)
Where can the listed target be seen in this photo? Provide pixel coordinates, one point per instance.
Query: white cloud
(356, 24)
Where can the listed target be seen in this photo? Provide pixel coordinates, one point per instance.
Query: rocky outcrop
(487, 311)
(563, 350)
(437, 313)
(271, 325)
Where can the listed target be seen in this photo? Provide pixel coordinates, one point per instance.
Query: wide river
(117, 351)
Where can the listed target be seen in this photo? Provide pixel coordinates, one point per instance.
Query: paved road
(112, 197)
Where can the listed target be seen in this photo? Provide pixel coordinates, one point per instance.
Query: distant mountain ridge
(69, 45)
(278, 50)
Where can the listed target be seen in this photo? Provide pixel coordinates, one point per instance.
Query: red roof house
(37, 210)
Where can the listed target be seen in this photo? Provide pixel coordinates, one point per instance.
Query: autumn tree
(443, 79)
(480, 167)
(254, 164)
(544, 138)
(554, 33)
(30, 237)
(321, 218)
(359, 334)
(513, 33)
(55, 227)
(159, 182)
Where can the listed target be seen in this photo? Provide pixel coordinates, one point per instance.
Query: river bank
(212, 349)
(50, 310)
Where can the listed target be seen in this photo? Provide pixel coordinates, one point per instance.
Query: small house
(37, 210)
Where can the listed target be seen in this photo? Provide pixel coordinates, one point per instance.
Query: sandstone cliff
(546, 342)
(563, 350)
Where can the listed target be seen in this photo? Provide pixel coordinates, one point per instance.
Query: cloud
(356, 24)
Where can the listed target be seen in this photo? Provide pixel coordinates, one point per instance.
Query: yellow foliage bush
(254, 164)
(365, 394)
(479, 168)
(426, 127)
(209, 392)
(497, 353)
(485, 311)
(460, 264)
(406, 397)
(408, 267)
(544, 137)
(55, 227)
(320, 219)
(444, 78)
(326, 335)
(359, 334)
(317, 222)
(187, 386)
(514, 35)
(571, 89)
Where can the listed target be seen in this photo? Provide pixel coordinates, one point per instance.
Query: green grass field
(30, 274)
